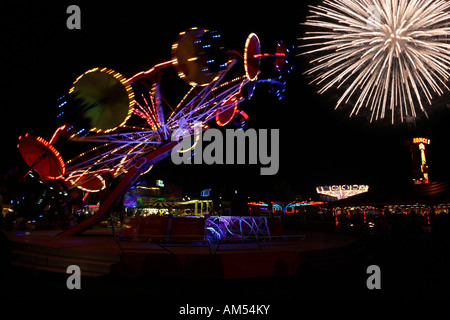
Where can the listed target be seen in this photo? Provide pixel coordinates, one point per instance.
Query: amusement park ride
(125, 135)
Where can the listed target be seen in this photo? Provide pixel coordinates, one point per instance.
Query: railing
(216, 231)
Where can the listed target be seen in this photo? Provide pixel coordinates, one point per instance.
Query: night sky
(319, 146)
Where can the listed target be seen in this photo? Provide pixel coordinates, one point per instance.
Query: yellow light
(127, 86)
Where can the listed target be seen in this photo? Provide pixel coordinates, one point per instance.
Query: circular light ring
(89, 182)
(342, 191)
(108, 85)
(241, 117)
(225, 116)
(147, 170)
(252, 64)
(192, 133)
(41, 156)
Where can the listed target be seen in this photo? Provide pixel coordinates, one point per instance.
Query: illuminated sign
(204, 193)
(421, 140)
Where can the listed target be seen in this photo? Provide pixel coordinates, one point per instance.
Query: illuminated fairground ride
(124, 134)
(342, 191)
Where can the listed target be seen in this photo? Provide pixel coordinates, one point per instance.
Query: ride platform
(98, 253)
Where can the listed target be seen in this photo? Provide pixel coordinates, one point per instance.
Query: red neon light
(142, 74)
(51, 149)
(263, 55)
(56, 134)
(259, 203)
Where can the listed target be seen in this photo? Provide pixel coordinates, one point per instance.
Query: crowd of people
(386, 225)
(383, 225)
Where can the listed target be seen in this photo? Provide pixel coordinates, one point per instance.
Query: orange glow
(225, 116)
(421, 140)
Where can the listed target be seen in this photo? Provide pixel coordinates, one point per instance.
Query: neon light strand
(50, 148)
(149, 72)
(119, 147)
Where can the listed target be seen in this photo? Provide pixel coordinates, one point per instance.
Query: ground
(409, 270)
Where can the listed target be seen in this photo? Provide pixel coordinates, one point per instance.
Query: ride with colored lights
(127, 133)
(342, 191)
(419, 159)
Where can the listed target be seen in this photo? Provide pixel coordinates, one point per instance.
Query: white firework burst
(386, 54)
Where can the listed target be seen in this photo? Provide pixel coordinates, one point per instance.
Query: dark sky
(41, 58)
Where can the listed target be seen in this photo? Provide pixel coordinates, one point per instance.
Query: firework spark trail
(392, 53)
